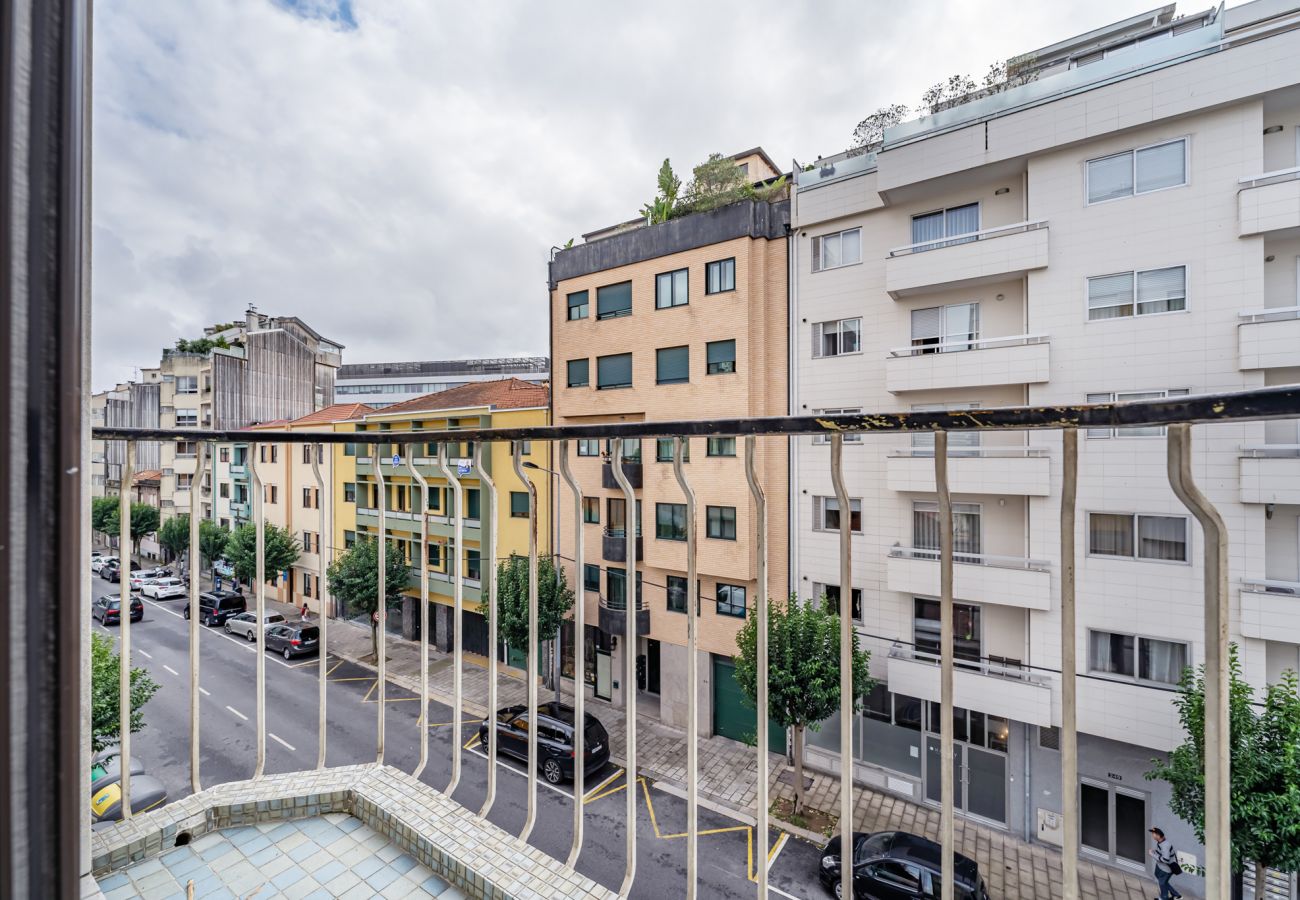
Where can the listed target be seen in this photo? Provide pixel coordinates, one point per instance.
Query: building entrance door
(979, 779)
(652, 666)
(604, 675)
(1113, 822)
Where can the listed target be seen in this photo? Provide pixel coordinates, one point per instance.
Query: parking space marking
(170, 669)
(776, 890)
(205, 692)
(146, 654)
(520, 772)
(373, 689)
(238, 713)
(590, 795)
(279, 740)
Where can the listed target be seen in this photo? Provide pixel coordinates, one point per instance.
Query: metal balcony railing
(989, 343)
(1178, 414)
(974, 559)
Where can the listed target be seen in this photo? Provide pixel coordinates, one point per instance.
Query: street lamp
(555, 550)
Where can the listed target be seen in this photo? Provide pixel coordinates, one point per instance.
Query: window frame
(709, 366)
(818, 254)
(667, 457)
(675, 530)
(1136, 678)
(947, 240)
(1135, 517)
(585, 306)
(1133, 301)
(1129, 432)
(820, 338)
(671, 589)
(720, 265)
(716, 442)
(586, 377)
(617, 314)
(589, 503)
(721, 521)
(730, 605)
(592, 444)
(671, 277)
(659, 379)
(819, 514)
(620, 386)
(1132, 152)
(587, 570)
(514, 512)
(850, 437)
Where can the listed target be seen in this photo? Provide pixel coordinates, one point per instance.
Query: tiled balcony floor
(334, 855)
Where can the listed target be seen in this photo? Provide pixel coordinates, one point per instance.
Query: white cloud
(399, 184)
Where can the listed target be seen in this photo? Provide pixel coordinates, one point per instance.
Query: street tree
(803, 683)
(280, 548)
(144, 520)
(100, 509)
(354, 579)
(105, 670)
(212, 540)
(554, 600)
(174, 535)
(1264, 754)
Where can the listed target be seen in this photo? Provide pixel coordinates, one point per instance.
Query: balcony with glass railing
(967, 259)
(988, 685)
(1268, 338)
(1269, 473)
(969, 362)
(1269, 202)
(980, 577)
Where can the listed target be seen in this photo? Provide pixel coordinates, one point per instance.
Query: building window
(960, 443)
(306, 584)
(614, 371)
(1138, 293)
(721, 522)
(664, 450)
(837, 338)
(187, 384)
(349, 492)
(930, 229)
(967, 536)
(223, 490)
(433, 554)
(721, 357)
(830, 251)
(306, 453)
(1137, 171)
(826, 514)
(967, 637)
(306, 542)
(849, 437)
(591, 577)
(722, 446)
(720, 276)
(1137, 658)
(186, 448)
(1132, 430)
(671, 289)
(306, 498)
(579, 372)
(616, 517)
(672, 365)
(577, 305)
(224, 454)
(349, 449)
(945, 329)
(1131, 536)
(830, 594)
(473, 512)
(184, 481)
(616, 588)
(518, 504)
(187, 418)
(614, 300)
(631, 449)
(588, 447)
(591, 510)
(349, 539)
(435, 498)
(677, 593)
(731, 600)
(670, 521)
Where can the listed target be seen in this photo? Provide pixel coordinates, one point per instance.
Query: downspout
(792, 394)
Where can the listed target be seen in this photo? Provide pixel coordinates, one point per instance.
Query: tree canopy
(144, 520)
(100, 509)
(281, 551)
(354, 579)
(715, 183)
(554, 600)
(174, 535)
(105, 670)
(213, 539)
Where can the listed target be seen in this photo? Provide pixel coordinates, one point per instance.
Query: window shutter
(578, 298)
(1110, 296)
(673, 364)
(1110, 177)
(1161, 167)
(722, 352)
(1162, 290)
(816, 254)
(614, 300)
(613, 371)
(927, 324)
(817, 340)
(579, 372)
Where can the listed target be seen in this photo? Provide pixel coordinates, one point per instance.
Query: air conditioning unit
(1051, 827)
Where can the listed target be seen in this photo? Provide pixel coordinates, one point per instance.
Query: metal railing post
(259, 576)
(580, 658)
(195, 489)
(760, 527)
(1218, 844)
(531, 669)
(680, 446)
(423, 718)
(947, 831)
(846, 665)
(380, 624)
(124, 626)
(322, 672)
(458, 559)
(489, 579)
(1069, 709)
(630, 607)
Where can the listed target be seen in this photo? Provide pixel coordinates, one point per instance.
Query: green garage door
(732, 716)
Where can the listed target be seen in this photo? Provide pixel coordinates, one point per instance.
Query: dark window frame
(717, 516)
(584, 306)
(719, 266)
(709, 365)
(671, 527)
(620, 312)
(659, 365)
(727, 606)
(586, 373)
(672, 289)
(515, 512)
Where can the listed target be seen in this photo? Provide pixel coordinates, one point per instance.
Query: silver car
(164, 588)
(245, 624)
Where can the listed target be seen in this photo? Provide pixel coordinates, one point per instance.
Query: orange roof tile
(337, 412)
(147, 475)
(505, 393)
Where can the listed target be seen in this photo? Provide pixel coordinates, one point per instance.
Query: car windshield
(875, 845)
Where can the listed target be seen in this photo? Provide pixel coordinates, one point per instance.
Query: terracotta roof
(338, 412)
(147, 475)
(274, 423)
(507, 393)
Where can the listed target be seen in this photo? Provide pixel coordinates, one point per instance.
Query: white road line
(781, 893)
(238, 713)
(282, 741)
(170, 669)
(251, 648)
(146, 654)
(205, 692)
(509, 768)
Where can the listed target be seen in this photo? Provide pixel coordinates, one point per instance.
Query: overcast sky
(395, 172)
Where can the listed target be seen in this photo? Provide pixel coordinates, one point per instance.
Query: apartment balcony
(994, 254)
(1270, 610)
(1269, 338)
(426, 465)
(986, 362)
(1269, 473)
(1139, 714)
(976, 577)
(983, 685)
(631, 470)
(1008, 471)
(240, 509)
(409, 522)
(443, 584)
(1269, 202)
(612, 616)
(613, 546)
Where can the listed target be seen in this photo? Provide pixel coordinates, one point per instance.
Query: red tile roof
(506, 393)
(338, 412)
(147, 475)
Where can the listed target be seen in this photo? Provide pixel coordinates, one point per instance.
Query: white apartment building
(382, 384)
(1126, 225)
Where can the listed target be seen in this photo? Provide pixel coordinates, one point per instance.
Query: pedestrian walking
(304, 610)
(1166, 865)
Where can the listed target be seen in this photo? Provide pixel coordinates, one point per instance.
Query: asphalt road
(227, 710)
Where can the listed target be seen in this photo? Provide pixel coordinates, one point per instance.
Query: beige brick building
(682, 320)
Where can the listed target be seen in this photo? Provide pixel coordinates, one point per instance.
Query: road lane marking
(146, 654)
(275, 737)
(241, 642)
(772, 889)
(509, 768)
(238, 713)
(205, 692)
(170, 669)
(591, 794)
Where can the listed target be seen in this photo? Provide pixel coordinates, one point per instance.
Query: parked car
(164, 588)
(147, 576)
(892, 864)
(245, 624)
(108, 609)
(290, 640)
(215, 607)
(147, 792)
(113, 572)
(97, 563)
(555, 745)
(107, 770)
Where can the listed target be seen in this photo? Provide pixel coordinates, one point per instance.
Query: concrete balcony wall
(1020, 364)
(1021, 588)
(1268, 345)
(1264, 208)
(1269, 479)
(993, 256)
(1131, 713)
(1015, 476)
(1270, 616)
(1011, 698)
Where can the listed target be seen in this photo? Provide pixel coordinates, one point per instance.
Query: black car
(113, 572)
(108, 609)
(892, 865)
(290, 640)
(555, 749)
(217, 606)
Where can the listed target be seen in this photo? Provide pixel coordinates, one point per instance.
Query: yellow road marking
(589, 796)
(468, 744)
(611, 791)
(747, 829)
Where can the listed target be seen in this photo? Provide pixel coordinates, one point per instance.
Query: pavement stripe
(275, 737)
(238, 713)
(170, 669)
(144, 653)
(205, 692)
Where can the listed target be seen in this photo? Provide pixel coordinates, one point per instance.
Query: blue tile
(220, 848)
(303, 851)
(289, 877)
(328, 872)
(434, 885)
(349, 825)
(367, 867)
(320, 894)
(282, 832)
(113, 882)
(256, 845)
(402, 864)
(204, 887)
(220, 892)
(383, 878)
(241, 836)
(185, 862)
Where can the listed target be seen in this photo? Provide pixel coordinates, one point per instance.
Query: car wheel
(187, 612)
(839, 890)
(287, 654)
(252, 638)
(551, 771)
(228, 631)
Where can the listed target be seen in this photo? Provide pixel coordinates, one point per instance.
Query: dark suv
(891, 865)
(217, 606)
(555, 749)
(292, 639)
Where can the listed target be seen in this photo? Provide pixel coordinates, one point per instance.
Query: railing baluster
(632, 524)
(1069, 714)
(680, 446)
(580, 658)
(1217, 765)
(259, 527)
(423, 718)
(947, 834)
(381, 607)
(195, 489)
(489, 578)
(531, 656)
(322, 671)
(846, 666)
(760, 527)
(458, 557)
(124, 627)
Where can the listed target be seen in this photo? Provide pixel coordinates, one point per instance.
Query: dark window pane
(673, 365)
(614, 371)
(614, 300)
(721, 357)
(579, 372)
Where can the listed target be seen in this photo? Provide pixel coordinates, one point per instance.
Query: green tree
(1264, 754)
(803, 675)
(144, 520)
(716, 182)
(212, 540)
(554, 600)
(105, 670)
(354, 579)
(664, 205)
(280, 548)
(100, 509)
(174, 535)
